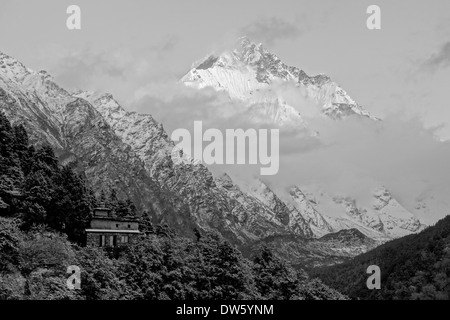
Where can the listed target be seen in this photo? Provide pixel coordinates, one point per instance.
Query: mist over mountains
(341, 168)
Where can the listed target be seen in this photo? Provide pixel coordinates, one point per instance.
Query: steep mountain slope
(79, 133)
(416, 266)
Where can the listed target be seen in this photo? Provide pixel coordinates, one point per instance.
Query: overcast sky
(125, 45)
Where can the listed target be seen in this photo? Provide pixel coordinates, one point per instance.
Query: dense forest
(413, 267)
(44, 209)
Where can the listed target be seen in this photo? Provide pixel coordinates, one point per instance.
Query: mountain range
(133, 153)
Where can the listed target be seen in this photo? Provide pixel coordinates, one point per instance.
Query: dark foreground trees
(414, 267)
(158, 265)
(35, 188)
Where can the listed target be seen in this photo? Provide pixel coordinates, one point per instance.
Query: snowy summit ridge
(248, 71)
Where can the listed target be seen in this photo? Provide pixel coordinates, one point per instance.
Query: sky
(126, 46)
(135, 49)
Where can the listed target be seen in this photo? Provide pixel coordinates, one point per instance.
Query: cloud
(349, 157)
(271, 30)
(5, 7)
(178, 106)
(80, 68)
(440, 58)
(119, 70)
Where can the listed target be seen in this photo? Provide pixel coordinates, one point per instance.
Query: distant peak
(13, 68)
(245, 41)
(244, 50)
(246, 67)
(45, 75)
(247, 47)
(4, 56)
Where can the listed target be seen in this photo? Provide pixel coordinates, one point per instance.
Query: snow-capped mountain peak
(248, 72)
(13, 69)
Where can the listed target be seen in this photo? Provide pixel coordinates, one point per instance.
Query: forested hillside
(44, 209)
(413, 267)
(37, 189)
